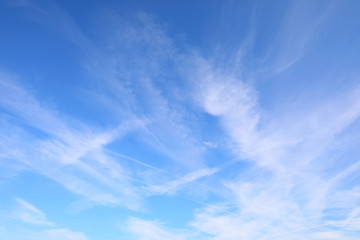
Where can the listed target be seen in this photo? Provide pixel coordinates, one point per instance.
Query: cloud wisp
(65, 155)
(28, 213)
(35, 225)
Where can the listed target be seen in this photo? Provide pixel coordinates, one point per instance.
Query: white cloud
(69, 154)
(28, 213)
(328, 235)
(37, 226)
(234, 103)
(152, 230)
(143, 90)
(63, 234)
(174, 185)
(282, 194)
(55, 233)
(295, 33)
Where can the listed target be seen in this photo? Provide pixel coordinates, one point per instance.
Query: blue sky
(182, 120)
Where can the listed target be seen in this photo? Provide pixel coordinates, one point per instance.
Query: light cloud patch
(71, 156)
(37, 226)
(28, 213)
(151, 230)
(63, 234)
(174, 185)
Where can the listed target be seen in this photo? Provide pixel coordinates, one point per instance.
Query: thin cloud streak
(28, 213)
(174, 185)
(68, 149)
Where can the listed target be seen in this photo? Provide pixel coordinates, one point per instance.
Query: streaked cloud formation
(30, 214)
(27, 213)
(123, 121)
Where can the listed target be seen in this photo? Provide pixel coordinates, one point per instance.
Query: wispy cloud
(36, 227)
(56, 233)
(148, 230)
(73, 154)
(28, 213)
(234, 103)
(68, 154)
(63, 234)
(294, 34)
(281, 194)
(174, 185)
